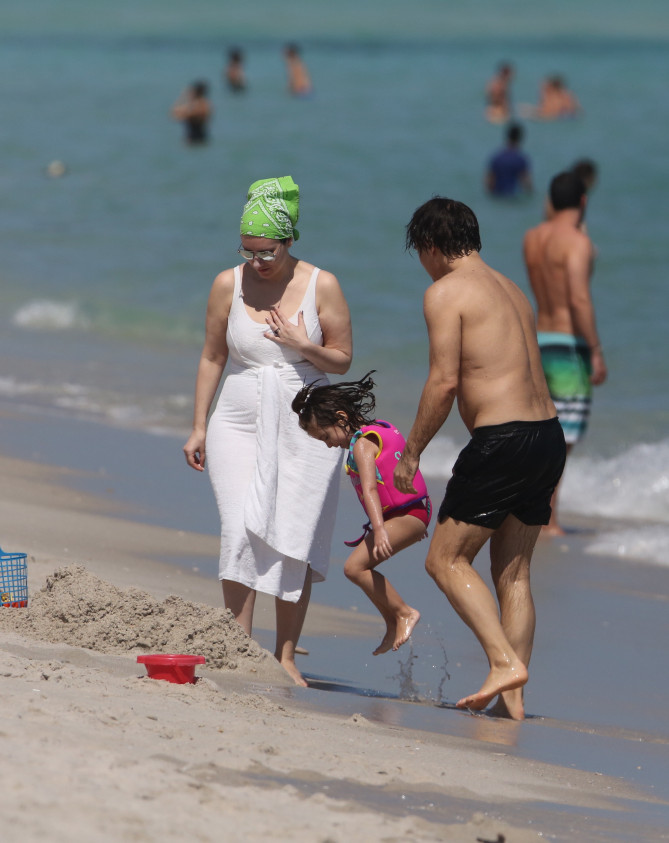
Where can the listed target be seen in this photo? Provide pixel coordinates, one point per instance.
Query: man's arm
(579, 263)
(444, 326)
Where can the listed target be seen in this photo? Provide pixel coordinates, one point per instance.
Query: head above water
(348, 404)
(514, 134)
(567, 191)
(446, 224)
(272, 209)
(586, 170)
(200, 88)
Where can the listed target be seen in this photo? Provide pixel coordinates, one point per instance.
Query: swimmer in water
(299, 81)
(194, 111)
(498, 95)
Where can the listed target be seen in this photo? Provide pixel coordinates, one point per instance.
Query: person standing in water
(274, 322)
(339, 415)
(484, 353)
(498, 95)
(193, 109)
(509, 172)
(234, 75)
(559, 258)
(299, 81)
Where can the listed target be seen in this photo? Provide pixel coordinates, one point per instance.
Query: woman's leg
(240, 599)
(289, 621)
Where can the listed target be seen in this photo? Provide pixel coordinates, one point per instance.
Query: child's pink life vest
(390, 450)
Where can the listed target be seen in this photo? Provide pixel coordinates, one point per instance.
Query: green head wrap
(272, 209)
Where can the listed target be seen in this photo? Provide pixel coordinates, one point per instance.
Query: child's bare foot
(405, 627)
(500, 679)
(509, 705)
(387, 642)
(291, 669)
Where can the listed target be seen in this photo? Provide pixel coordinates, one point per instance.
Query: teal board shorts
(566, 364)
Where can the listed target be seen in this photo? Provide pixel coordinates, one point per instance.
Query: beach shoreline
(244, 746)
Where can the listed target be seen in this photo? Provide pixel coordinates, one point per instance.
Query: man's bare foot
(291, 669)
(405, 627)
(497, 681)
(552, 530)
(387, 642)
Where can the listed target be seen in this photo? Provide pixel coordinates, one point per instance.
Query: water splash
(446, 675)
(408, 688)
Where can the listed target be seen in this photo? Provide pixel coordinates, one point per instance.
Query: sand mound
(77, 608)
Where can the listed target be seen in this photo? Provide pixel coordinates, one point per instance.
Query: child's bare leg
(360, 566)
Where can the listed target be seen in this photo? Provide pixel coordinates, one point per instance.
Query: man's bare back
(559, 258)
(495, 358)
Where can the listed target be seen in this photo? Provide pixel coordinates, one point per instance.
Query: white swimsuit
(276, 487)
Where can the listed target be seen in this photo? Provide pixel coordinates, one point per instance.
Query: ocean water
(105, 271)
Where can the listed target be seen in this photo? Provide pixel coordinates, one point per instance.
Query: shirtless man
(498, 95)
(299, 82)
(556, 101)
(559, 257)
(483, 351)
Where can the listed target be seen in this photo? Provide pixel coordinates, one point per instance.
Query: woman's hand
(194, 450)
(283, 332)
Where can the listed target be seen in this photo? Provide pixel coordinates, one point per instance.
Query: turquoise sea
(105, 271)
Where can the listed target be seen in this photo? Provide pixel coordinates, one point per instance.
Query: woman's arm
(364, 453)
(210, 369)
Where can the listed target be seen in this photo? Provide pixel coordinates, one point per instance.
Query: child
(340, 416)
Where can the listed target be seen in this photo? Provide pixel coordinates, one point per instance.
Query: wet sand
(374, 749)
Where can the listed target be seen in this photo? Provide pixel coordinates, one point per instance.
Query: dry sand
(94, 750)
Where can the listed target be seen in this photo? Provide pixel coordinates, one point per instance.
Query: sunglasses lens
(248, 255)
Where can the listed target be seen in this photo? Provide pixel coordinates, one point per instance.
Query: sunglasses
(263, 255)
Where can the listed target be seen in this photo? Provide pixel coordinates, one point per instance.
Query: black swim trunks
(506, 468)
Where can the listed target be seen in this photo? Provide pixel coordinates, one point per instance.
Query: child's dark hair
(324, 404)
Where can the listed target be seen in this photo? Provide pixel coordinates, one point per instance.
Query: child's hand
(382, 547)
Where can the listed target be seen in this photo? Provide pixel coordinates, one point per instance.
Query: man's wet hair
(447, 224)
(566, 191)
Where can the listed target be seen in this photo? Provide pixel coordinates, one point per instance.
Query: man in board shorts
(559, 257)
(484, 353)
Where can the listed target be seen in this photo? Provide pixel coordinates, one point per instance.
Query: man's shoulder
(537, 231)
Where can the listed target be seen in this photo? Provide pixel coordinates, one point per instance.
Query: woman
(278, 323)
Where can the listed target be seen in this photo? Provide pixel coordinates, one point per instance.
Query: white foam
(439, 456)
(43, 314)
(631, 486)
(650, 543)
